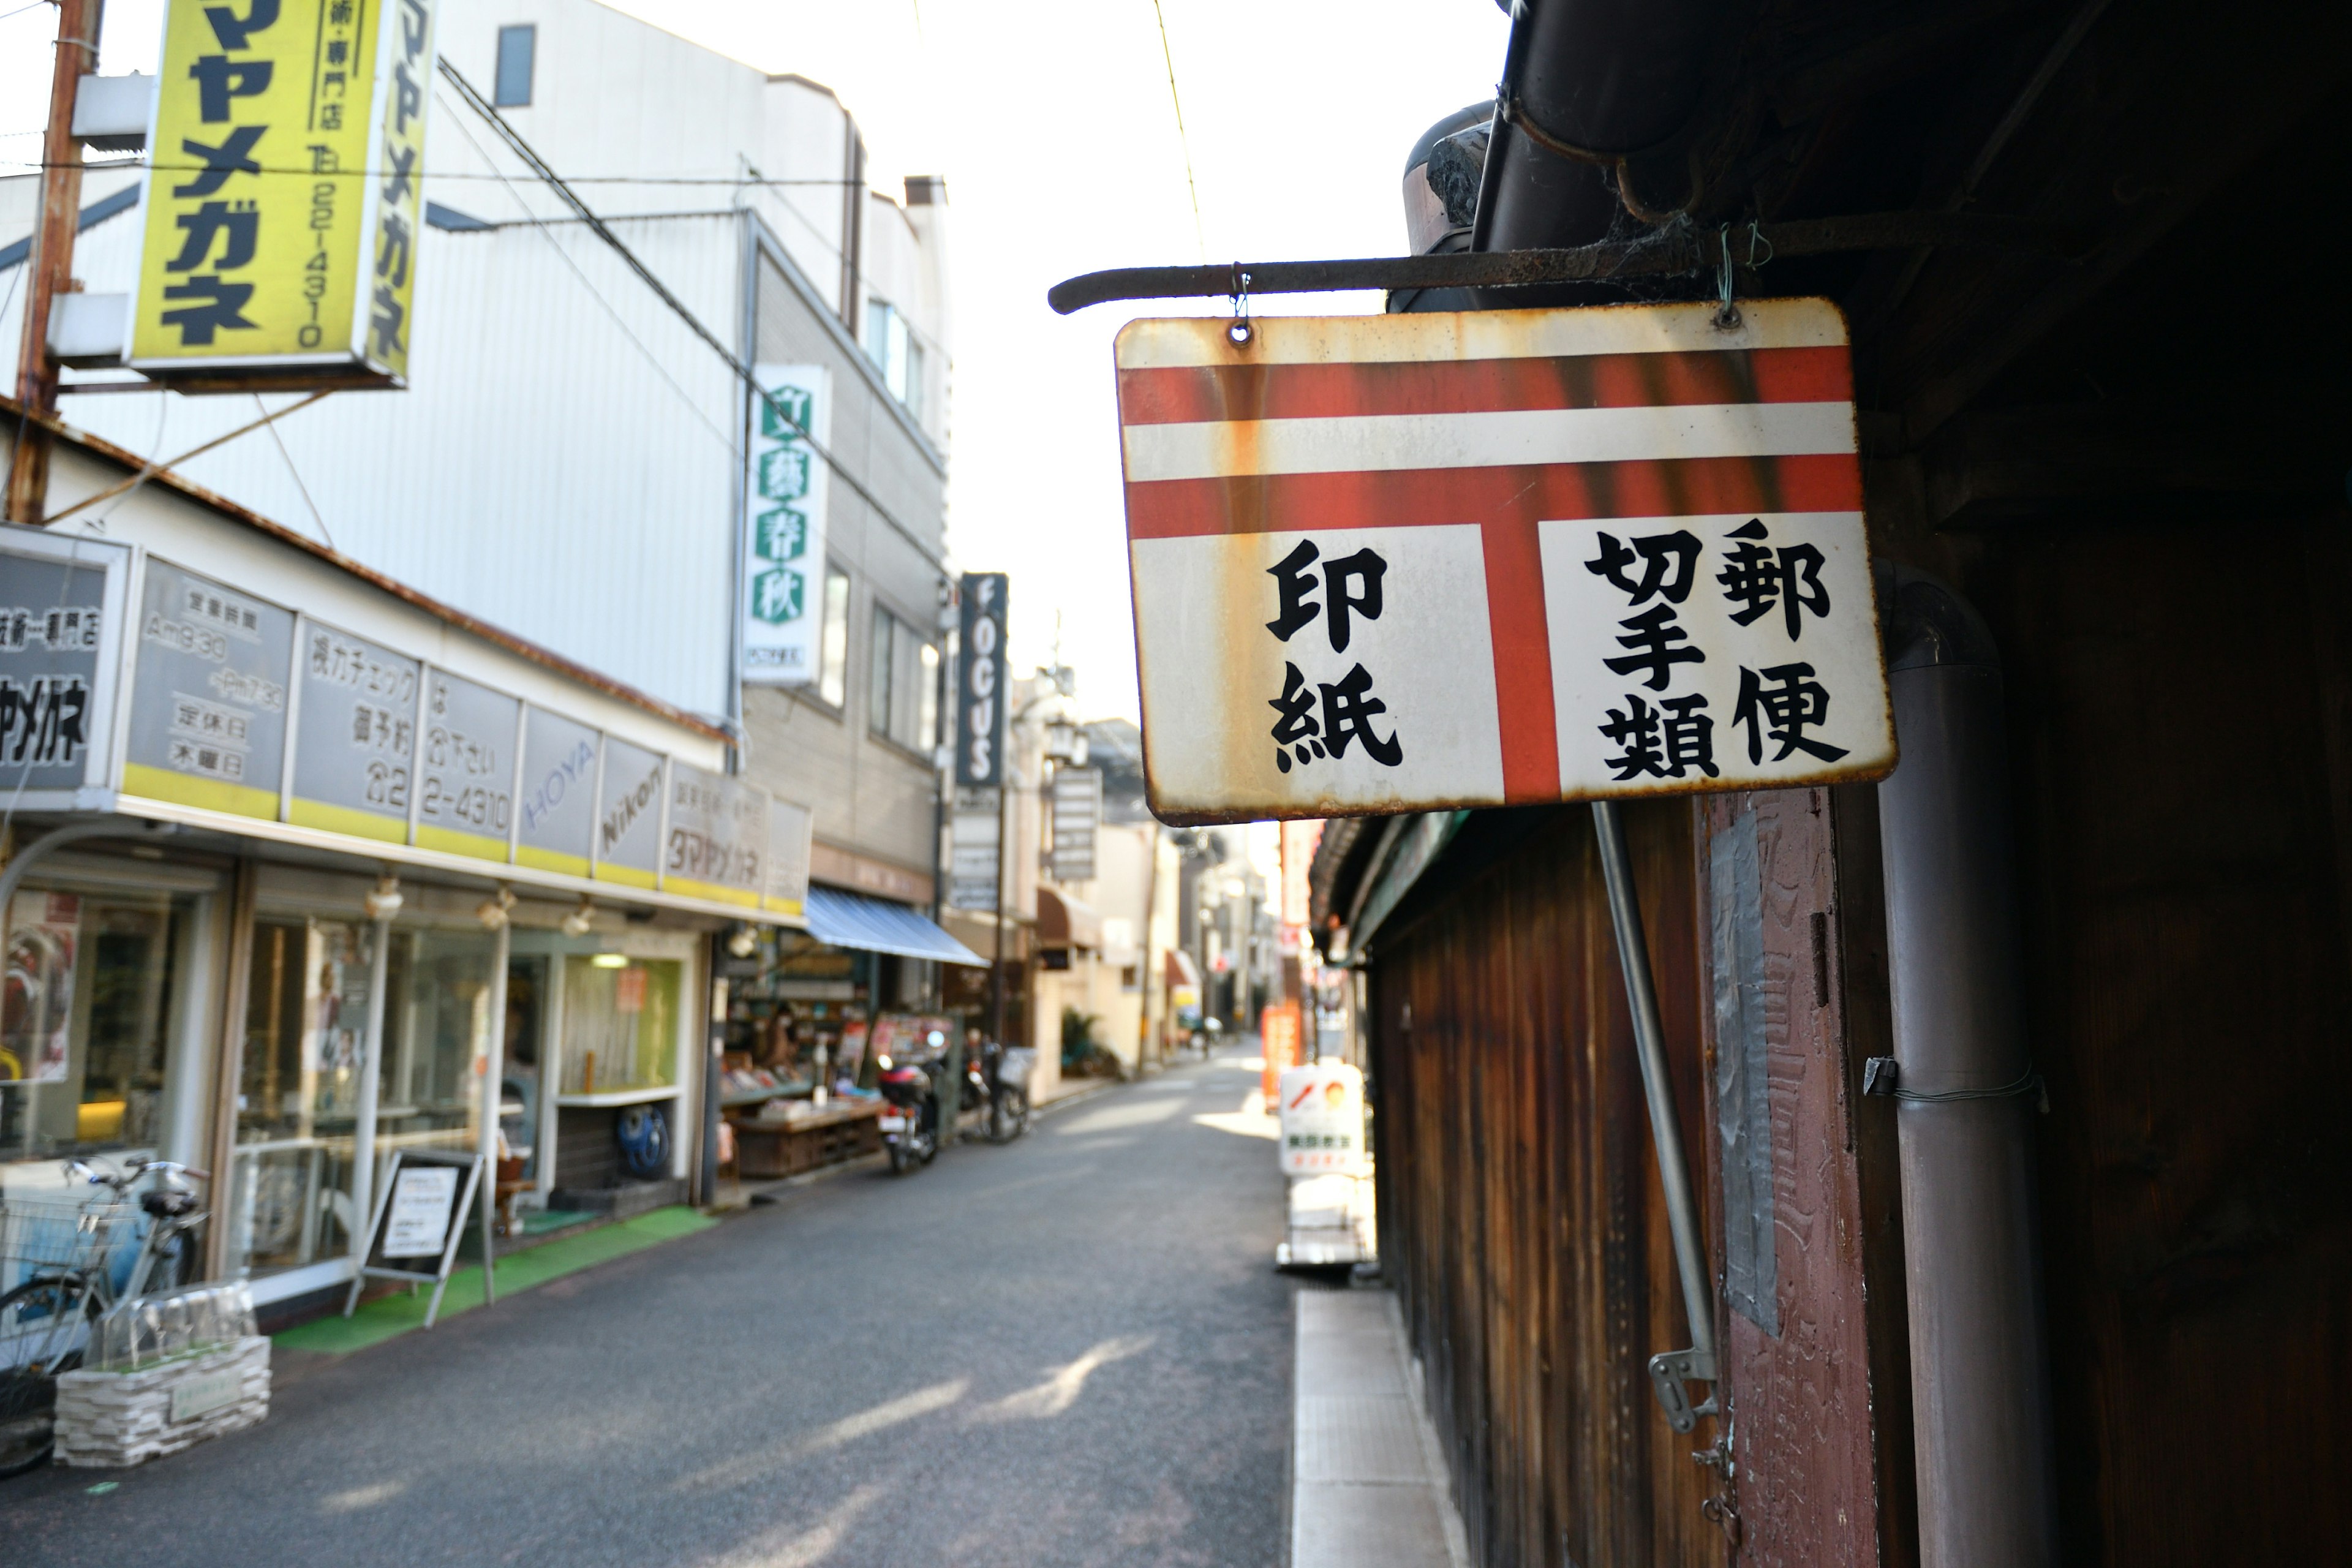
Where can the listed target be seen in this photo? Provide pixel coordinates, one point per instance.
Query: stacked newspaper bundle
(110, 1419)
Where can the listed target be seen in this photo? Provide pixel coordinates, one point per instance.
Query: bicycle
(47, 1321)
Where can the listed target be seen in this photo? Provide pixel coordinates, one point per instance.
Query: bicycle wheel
(44, 1329)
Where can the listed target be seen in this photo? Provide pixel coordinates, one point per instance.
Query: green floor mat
(539, 1222)
(381, 1319)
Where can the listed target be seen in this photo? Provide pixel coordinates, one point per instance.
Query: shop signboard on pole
(1277, 1032)
(981, 674)
(784, 494)
(1077, 823)
(1497, 558)
(283, 202)
(975, 832)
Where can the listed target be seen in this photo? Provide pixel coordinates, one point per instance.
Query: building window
(833, 648)
(902, 702)
(516, 47)
(890, 344)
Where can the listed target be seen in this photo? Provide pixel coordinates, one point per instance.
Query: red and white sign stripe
(1469, 450)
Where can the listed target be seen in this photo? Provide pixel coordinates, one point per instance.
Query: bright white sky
(1052, 122)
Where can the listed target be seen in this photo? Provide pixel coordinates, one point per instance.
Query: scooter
(910, 1124)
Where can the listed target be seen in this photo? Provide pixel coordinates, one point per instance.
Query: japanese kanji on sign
(1399, 562)
(283, 199)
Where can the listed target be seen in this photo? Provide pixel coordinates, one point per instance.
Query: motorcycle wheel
(899, 1161)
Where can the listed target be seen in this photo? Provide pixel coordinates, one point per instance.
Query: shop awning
(1065, 922)
(1182, 970)
(876, 925)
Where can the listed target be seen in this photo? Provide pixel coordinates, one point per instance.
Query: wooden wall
(2180, 711)
(1519, 1197)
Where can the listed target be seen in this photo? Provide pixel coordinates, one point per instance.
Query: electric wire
(1200, 235)
(554, 182)
(315, 514)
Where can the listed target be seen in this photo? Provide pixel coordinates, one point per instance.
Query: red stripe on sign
(1691, 487)
(1192, 394)
(1515, 620)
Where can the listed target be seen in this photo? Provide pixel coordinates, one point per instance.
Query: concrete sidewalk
(1368, 1485)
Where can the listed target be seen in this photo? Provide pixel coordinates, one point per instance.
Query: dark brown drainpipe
(1966, 1094)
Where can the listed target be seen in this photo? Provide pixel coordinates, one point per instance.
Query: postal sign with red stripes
(1402, 563)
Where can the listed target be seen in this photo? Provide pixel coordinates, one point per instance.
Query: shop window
(620, 1025)
(832, 649)
(437, 1026)
(290, 1195)
(92, 991)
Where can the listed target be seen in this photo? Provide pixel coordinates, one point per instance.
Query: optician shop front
(305, 870)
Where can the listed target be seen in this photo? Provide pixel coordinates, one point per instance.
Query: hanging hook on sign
(1727, 315)
(1240, 330)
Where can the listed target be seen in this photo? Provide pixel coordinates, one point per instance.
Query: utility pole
(50, 267)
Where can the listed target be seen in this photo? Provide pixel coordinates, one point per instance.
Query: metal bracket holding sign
(418, 1221)
(1503, 558)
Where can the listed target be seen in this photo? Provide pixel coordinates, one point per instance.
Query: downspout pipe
(1589, 85)
(1966, 1093)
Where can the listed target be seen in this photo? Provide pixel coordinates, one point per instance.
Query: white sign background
(1587, 615)
(1430, 654)
(417, 1224)
(785, 488)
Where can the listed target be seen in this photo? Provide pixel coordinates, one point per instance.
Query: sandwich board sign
(1322, 1114)
(1407, 563)
(418, 1221)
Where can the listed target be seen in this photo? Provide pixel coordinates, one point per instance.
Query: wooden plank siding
(1519, 1197)
(2181, 735)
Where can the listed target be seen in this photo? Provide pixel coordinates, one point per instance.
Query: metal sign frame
(473, 1165)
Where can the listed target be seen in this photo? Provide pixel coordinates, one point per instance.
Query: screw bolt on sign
(1404, 562)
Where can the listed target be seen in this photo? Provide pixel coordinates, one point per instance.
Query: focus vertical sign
(1497, 557)
(981, 675)
(783, 525)
(282, 203)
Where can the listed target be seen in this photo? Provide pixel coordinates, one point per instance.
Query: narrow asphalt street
(1070, 1349)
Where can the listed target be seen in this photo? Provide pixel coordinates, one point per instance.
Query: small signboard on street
(1322, 1113)
(1389, 564)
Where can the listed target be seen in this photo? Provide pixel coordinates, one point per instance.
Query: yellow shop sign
(283, 201)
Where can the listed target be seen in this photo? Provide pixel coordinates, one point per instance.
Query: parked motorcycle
(910, 1121)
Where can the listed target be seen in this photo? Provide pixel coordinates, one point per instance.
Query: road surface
(1072, 1350)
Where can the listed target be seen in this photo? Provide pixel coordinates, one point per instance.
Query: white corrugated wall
(562, 463)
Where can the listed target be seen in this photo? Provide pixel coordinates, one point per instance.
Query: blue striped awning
(877, 925)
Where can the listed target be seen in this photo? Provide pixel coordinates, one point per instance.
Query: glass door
(299, 1093)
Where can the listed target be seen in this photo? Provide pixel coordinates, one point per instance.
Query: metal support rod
(363, 1124)
(1662, 254)
(494, 1072)
(1650, 1044)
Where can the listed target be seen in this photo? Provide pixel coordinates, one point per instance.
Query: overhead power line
(1200, 235)
(570, 198)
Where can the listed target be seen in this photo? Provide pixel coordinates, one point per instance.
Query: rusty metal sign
(1400, 562)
